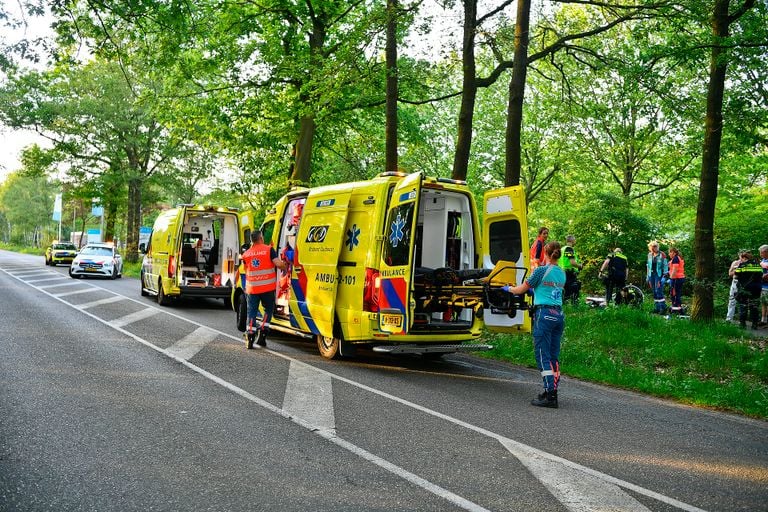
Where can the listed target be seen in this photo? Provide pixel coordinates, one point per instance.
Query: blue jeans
(656, 283)
(548, 324)
(267, 301)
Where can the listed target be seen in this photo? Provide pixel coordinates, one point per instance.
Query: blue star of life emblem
(353, 237)
(397, 231)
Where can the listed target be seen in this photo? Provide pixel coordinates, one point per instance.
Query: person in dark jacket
(614, 272)
(749, 275)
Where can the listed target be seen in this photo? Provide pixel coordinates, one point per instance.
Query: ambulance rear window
(397, 238)
(505, 242)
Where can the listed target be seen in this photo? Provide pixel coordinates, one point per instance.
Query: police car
(100, 260)
(60, 252)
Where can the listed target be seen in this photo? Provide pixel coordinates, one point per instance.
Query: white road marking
(133, 317)
(52, 278)
(108, 300)
(75, 292)
(309, 396)
(68, 283)
(577, 490)
(193, 343)
(458, 500)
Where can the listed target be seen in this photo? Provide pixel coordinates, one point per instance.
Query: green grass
(714, 365)
(132, 269)
(40, 251)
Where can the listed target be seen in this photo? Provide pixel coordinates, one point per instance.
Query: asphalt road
(110, 402)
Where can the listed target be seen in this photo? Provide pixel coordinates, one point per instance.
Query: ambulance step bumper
(430, 349)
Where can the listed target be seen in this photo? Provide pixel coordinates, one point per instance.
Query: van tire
(242, 312)
(328, 347)
(162, 298)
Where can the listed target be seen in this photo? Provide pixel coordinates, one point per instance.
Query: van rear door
(316, 276)
(395, 303)
(505, 238)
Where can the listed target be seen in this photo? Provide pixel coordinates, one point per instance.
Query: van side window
(397, 238)
(505, 242)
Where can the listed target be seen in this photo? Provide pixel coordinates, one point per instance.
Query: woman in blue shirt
(547, 283)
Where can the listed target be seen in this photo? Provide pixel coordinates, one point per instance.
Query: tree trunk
(517, 94)
(133, 221)
(704, 243)
(391, 108)
(468, 95)
(302, 167)
(110, 211)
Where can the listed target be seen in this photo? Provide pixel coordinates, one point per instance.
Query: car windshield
(96, 251)
(65, 247)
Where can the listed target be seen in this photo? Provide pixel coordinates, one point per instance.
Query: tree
(704, 242)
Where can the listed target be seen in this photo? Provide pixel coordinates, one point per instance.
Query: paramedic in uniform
(261, 264)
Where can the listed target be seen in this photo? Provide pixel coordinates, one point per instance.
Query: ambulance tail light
(371, 290)
(171, 267)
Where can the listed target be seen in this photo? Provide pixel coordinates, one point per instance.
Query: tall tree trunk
(302, 170)
(392, 77)
(110, 211)
(516, 95)
(133, 220)
(468, 95)
(704, 242)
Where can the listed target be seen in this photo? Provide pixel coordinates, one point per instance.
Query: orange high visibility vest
(260, 272)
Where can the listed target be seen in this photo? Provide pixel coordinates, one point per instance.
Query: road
(110, 402)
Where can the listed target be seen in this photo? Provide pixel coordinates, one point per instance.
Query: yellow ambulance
(191, 253)
(399, 262)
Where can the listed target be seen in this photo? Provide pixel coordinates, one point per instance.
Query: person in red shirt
(538, 257)
(677, 278)
(261, 264)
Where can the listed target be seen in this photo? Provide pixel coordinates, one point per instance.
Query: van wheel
(242, 312)
(144, 291)
(328, 347)
(162, 298)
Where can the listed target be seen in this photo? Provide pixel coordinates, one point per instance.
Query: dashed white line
(134, 317)
(309, 395)
(193, 343)
(108, 300)
(74, 292)
(49, 286)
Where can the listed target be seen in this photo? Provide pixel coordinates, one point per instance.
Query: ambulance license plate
(392, 321)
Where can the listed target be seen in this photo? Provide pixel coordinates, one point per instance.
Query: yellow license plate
(392, 321)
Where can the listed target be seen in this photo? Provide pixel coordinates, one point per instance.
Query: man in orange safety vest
(261, 264)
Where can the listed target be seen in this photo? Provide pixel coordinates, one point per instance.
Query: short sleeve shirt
(547, 283)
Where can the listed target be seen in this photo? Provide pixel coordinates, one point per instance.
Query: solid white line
(309, 395)
(75, 292)
(577, 490)
(133, 317)
(108, 300)
(193, 343)
(503, 440)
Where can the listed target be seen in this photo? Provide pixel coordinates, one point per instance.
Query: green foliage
(715, 365)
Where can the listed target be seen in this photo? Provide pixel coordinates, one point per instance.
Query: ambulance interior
(209, 243)
(444, 256)
(286, 246)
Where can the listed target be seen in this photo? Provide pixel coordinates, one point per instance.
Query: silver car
(100, 260)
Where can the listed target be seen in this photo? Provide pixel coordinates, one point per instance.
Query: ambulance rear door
(315, 276)
(396, 305)
(505, 238)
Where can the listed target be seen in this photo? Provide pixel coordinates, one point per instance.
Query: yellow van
(399, 262)
(191, 253)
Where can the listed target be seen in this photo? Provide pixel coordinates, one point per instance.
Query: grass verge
(715, 365)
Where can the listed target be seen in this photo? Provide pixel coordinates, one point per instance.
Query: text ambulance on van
(399, 262)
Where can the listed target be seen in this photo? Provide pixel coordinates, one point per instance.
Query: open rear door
(315, 276)
(395, 304)
(505, 238)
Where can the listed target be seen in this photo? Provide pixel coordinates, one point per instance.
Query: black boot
(546, 399)
(250, 337)
(262, 340)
